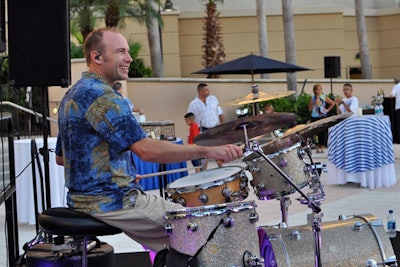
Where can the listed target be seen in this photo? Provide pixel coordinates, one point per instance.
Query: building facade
(322, 29)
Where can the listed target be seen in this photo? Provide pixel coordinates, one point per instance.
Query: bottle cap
(390, 211)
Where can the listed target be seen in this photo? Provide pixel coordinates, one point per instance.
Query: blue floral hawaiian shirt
(96, 129)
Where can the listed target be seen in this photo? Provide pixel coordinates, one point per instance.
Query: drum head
(206, 177)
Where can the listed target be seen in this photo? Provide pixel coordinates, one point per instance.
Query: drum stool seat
(69, 222)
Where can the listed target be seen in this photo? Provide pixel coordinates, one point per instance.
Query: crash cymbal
(233, 132)
(256, 97)
(295, 134)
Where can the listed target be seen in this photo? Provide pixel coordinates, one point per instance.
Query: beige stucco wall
(168, 98)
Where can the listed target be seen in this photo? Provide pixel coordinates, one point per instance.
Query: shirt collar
(89, 75)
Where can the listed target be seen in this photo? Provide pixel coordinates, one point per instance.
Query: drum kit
(217, 227)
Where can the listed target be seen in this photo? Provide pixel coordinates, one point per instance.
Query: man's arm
(60, 160)
(167, 152)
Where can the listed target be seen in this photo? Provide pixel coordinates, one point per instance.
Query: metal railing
(27, 122)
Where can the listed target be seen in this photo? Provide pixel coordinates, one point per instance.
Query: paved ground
(346, 199)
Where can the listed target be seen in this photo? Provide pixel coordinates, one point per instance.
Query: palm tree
(290, 47)
(153, 24)
(82, 11)
(214, 53)
(262, 31)
(143, 11)
(149, 13)
(112, 16)
(363, 40)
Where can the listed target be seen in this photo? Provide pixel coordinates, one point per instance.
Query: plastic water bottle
(381, 110)
(391, 224)
(377, 109)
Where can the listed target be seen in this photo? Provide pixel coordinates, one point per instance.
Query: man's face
(347, 91)
(205, 92)
(116, 58)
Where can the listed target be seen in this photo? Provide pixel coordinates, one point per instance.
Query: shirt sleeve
(58, 146)
(220, 111)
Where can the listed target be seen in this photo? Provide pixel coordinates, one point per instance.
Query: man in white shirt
(206, 108)
(207, 111)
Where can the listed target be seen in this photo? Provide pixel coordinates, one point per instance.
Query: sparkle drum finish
(215, 186)
(350, 242)
(268, 183)
(220, 235)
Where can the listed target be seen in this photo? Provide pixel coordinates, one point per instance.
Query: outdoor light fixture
(169, 6)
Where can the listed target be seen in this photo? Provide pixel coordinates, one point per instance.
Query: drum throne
(83, 230)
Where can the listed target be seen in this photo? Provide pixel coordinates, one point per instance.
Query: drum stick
(166, 172)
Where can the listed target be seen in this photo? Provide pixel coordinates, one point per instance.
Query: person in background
(97, 133)
(349, 103)
(319, 110)
(207, 111)
(269, 108)
(193, 132)
(117, 86)
(396, 94)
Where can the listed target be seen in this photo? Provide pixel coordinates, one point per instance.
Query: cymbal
(256, 97)
(233, 132)
(294, 135)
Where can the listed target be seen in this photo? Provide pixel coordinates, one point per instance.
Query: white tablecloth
(360, 150)
(24, 183)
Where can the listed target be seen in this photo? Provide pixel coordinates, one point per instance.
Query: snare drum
(269, 183)
(210, 187)
(220, 235)
(344, 243)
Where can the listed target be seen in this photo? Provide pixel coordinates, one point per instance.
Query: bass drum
(350, 242)
(216, 235)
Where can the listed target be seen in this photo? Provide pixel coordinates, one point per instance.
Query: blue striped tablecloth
(360, 150)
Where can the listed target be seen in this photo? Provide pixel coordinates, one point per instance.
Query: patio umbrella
(251, 64)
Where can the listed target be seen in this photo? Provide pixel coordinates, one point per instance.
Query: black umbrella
(251, 64)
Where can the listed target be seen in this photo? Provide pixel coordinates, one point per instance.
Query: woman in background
(319, 110)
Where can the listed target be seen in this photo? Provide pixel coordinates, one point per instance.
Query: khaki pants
(144, 221)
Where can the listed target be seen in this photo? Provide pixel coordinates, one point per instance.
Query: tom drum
(268, 183)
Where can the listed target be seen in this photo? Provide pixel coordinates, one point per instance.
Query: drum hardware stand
(304, 199)
(285, 202)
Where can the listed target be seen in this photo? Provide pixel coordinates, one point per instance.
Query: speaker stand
(45, 150)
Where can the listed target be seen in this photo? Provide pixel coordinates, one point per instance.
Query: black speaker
(2, 26)
(39, 43)
(332, 67)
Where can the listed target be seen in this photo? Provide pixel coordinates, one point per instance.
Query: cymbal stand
(285, 202)
(317, 195)
(311, 171)
(304, 199)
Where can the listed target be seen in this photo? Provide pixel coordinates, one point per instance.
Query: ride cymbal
(295, 134)
(256, 97)
(233, 132)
